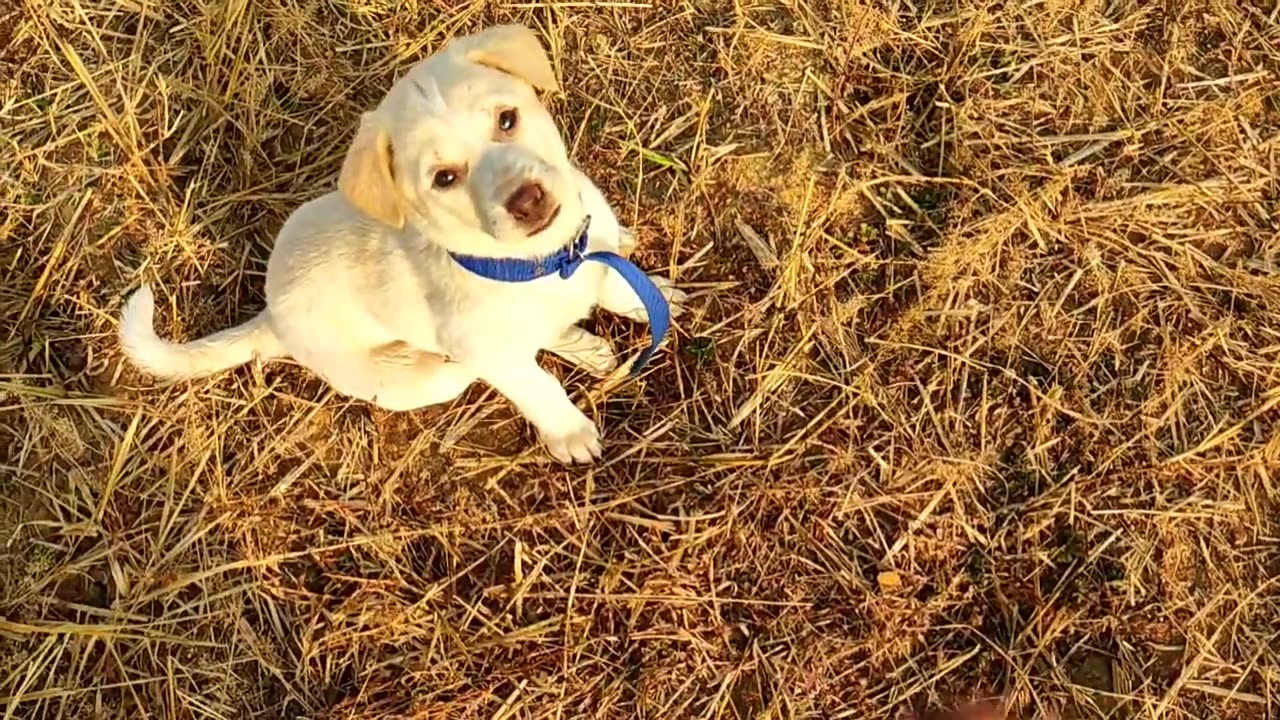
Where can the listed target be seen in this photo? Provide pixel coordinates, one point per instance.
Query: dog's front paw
(626, 242)
(601, 362)
(576, 442)
(589, 352)
(675, 296)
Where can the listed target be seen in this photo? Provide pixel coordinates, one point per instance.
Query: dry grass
(979, 394)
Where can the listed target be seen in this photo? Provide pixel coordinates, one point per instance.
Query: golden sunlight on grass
(977, 396)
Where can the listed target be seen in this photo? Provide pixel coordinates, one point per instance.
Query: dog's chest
(521, 317)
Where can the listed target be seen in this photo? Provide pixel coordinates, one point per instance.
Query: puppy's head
(462, 145)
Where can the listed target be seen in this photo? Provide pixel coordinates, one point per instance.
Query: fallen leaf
(889, 581)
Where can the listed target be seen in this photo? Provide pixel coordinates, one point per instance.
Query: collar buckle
(575, 252)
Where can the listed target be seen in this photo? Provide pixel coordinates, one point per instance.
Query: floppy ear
(366, 180)
(513, 49)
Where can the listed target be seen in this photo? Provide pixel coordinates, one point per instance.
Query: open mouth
(546, 223)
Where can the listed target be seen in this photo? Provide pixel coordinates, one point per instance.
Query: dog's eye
(508, 119)
(444, 179)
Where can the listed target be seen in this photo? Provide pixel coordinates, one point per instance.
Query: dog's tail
(179, 361)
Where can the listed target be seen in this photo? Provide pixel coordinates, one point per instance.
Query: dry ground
(978, 396)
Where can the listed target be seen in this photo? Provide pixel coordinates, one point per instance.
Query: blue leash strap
(655, 305)
(565, 262)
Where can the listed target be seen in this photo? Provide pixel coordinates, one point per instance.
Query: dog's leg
(398, 381)
(410, 392)
(569, 435)
(616, 296)
(589, 352)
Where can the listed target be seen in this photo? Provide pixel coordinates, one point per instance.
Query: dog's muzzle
(532, 206)
(520, 191)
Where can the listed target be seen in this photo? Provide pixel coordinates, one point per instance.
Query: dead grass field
(979, 393)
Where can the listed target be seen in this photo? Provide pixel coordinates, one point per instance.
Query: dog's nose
(532, 207)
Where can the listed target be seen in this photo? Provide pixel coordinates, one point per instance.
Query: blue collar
(565, 262)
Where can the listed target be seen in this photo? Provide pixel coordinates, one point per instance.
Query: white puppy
(381, 287)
